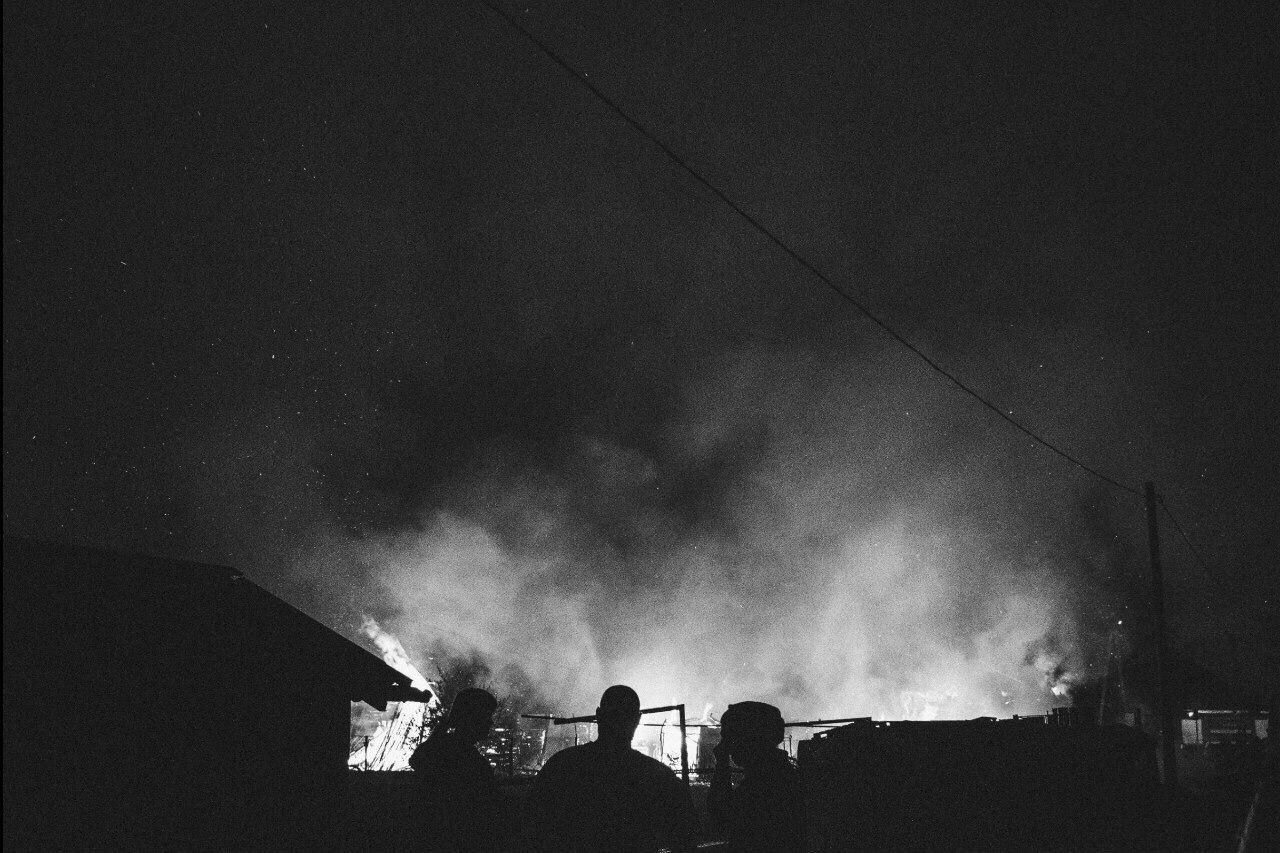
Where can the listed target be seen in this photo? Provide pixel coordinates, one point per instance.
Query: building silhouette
(159, 703)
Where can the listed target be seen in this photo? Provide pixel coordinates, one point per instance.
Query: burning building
(154, 703)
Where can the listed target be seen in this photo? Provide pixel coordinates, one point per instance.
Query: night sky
(384, 308)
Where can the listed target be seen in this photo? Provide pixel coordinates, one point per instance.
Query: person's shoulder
(565, 759)
(419, 757)
(779, 774)
(782, 766)
(445, 746)
(651, 768)
(429, 747)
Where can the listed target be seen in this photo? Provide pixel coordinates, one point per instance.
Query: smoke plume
(797, 534)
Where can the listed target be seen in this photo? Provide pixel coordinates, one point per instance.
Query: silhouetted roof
(68, 585)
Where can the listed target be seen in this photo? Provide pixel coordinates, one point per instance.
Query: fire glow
(835, 570)
(856, 650)
(406, 723)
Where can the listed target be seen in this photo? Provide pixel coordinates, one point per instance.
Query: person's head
(751, 731)
(618, 714)
(472, 713)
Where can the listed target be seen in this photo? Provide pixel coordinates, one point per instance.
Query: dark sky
(280, 277)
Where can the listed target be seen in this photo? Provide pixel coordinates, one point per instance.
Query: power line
(1212, 579)
(792, 253)
(1185, 538)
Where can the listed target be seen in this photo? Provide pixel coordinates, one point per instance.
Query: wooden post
(684, 747)
(1167, 723)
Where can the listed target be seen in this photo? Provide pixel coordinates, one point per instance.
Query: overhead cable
(807, 265)
(1185, 538)
(1210, 578)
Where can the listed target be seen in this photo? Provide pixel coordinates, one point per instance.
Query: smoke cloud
(797, 534)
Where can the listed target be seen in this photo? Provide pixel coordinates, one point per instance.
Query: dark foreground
(1205, 818)
(369, 812)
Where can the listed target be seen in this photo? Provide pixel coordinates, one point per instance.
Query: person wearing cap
(764, 813)
(605, 796)
(462, 808)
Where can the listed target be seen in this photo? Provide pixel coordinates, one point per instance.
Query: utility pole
(1236, 691)
(1168, 725)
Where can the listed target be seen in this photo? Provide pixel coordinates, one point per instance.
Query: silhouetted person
(605, 796)
(765, 812)
(461, 807)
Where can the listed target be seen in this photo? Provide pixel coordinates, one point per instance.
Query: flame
(392, 652)
(392, 744)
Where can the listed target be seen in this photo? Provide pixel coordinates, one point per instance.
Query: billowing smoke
(798, 534)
